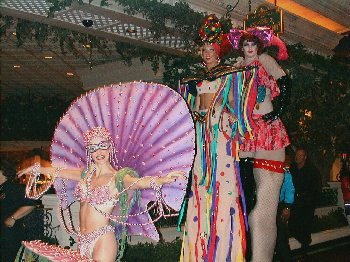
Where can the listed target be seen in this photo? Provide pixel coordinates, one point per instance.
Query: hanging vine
(318, 115)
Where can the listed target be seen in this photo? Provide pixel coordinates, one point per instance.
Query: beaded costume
(151, 134)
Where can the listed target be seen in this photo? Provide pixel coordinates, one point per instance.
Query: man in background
(307, 184)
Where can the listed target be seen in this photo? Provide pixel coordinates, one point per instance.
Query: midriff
(205, 100)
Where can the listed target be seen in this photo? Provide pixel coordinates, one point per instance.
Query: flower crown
(211, 30)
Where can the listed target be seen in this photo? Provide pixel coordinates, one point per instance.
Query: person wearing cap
(215, 228)
(264, 155)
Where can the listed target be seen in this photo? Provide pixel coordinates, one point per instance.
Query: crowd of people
(242, 201)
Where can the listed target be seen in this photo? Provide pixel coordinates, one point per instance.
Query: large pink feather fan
(152, 131)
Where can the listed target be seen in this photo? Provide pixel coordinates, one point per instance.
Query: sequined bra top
(98, 196)
(206, 87)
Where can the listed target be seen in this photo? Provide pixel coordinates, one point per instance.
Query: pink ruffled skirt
(267, 136)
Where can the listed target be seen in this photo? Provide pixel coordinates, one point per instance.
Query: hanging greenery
(317, 117)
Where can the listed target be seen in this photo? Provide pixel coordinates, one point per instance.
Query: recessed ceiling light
(14, 33)
(130, 30)
(69, 74)
(48, 57)
(16, 66)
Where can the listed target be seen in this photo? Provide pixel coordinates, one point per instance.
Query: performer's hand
(285, 215)
(40, 170)
(25, 171)
(9, 222)
(172, 177)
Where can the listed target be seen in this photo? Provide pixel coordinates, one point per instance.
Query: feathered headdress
(265, 35)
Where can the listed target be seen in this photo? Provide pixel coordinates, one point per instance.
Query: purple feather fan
(152, 131)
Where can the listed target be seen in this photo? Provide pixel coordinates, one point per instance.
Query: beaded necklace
(119, 219)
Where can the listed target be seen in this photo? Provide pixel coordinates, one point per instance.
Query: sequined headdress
(211, 31)
(98, 131)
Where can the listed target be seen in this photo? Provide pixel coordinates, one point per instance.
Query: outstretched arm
(146, 182)
(73, 173)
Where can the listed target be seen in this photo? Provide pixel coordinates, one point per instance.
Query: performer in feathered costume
(220, 100)
(270, 138)
(112, 145)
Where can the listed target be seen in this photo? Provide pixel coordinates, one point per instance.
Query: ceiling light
(310, 15)
(14, 33)
(16, 66)
(69, 74)
(48, 57)
(130, 30)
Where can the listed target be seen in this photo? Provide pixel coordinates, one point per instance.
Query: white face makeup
(250, 49)
(209, 55)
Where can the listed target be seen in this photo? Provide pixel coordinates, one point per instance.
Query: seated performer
(98, 191)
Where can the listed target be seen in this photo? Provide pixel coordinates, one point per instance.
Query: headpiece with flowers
(212, 31)
(98, 131)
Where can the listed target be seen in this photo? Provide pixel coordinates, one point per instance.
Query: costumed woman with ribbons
(221, 99)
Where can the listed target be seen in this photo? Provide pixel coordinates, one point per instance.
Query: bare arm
(18, 214)
(72, 173)
(145, 182)
(271, 66)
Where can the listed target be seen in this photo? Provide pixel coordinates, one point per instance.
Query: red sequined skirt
(267, 136)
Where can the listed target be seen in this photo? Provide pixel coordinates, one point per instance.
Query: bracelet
(56, 173)
(159, 199)
(35, 169)
(13, 218)
(153, 184)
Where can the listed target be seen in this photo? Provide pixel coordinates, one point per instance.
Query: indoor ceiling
(319, 25)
